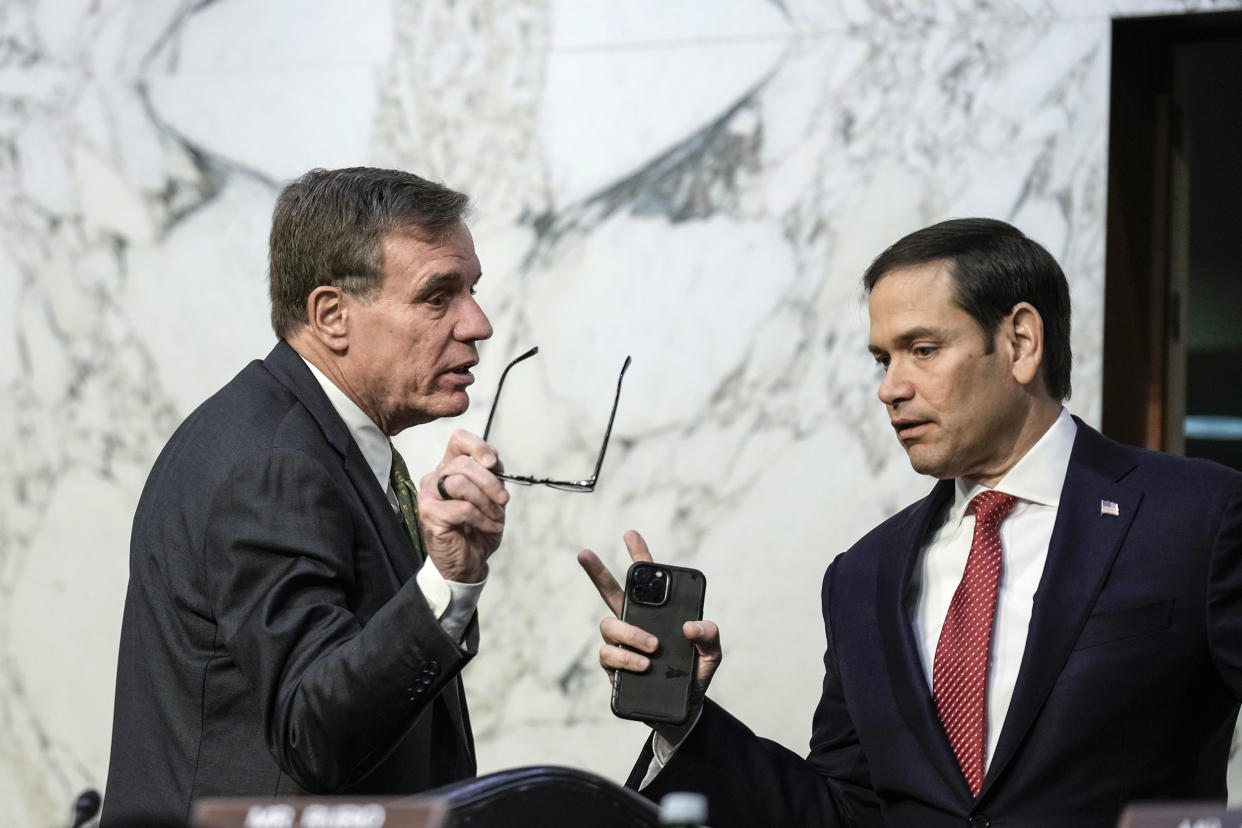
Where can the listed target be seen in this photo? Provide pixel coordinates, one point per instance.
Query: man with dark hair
(297, 613)
(1054, 631)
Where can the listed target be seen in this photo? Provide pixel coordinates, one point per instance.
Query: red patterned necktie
(960, 670)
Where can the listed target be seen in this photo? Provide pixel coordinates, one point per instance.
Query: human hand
(463, 531)
(705, 635)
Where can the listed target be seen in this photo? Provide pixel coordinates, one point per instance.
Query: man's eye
(438, 300)
(923, 351)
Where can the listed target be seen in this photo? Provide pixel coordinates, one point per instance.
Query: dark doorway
(1173, 293)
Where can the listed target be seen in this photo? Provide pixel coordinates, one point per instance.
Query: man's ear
(327, 317)
(1024, 328)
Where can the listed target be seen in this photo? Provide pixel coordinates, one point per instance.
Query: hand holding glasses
(587, 485)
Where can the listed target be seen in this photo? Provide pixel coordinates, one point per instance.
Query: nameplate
(1184, 815)
(319, 812)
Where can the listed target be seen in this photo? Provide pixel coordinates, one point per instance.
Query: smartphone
(660, 598)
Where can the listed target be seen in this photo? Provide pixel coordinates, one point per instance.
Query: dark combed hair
(328, 225)
(994, 267)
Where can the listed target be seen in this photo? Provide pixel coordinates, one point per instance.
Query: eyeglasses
(587, 485)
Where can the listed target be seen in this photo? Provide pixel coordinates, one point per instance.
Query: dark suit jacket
(1128, 687)
(274, 640)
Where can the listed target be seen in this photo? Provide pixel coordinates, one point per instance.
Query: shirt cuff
(662, 750)
(452, 602)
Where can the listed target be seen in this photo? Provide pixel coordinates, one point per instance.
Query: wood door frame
(1141, 313)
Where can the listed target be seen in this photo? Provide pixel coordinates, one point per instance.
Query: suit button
(432, 667)
(979, 821)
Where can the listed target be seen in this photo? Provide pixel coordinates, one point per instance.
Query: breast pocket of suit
(1119, 625)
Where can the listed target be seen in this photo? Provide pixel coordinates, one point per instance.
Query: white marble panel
(679, 90)
(235, 81)
(600, 25)
(698, 185)
(905, 18)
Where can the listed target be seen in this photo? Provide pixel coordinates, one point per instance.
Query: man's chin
(450, 404)
(923, 463)
(442, 406)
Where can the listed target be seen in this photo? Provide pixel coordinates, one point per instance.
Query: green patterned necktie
(407, 499)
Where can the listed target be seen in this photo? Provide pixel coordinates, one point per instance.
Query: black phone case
(662, 693)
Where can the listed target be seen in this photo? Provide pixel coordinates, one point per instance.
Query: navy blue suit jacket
(1128, 688)
(274, 639)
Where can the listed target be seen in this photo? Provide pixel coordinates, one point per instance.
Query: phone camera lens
(649, 585)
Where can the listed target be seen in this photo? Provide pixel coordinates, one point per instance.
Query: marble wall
(696, 184)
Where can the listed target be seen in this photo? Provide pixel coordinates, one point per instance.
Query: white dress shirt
(453, 603)
(1036, 481)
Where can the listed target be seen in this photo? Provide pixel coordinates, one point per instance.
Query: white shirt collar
(1037, 477)
(373, 443)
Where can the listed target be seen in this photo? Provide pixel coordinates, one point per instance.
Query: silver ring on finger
(442, 489)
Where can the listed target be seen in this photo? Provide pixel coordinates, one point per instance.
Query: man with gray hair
(298, 613)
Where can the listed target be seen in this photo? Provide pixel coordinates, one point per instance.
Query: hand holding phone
(628, 648)
(659, 599)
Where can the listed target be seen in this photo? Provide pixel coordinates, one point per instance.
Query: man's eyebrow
(922, 332)
(904, 338)
(437, 281)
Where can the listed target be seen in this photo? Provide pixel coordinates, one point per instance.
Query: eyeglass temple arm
(599, 463)
(492, 412)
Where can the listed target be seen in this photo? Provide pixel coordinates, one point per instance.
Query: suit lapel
(392, 534)
(894, 603)
(1084, 543)
(285, 364)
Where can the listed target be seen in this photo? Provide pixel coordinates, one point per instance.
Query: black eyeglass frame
(587, 485)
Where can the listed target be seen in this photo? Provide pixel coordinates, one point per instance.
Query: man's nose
(473, 324)
(896, 386)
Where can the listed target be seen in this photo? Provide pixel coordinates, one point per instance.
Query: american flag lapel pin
(1108, 507)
